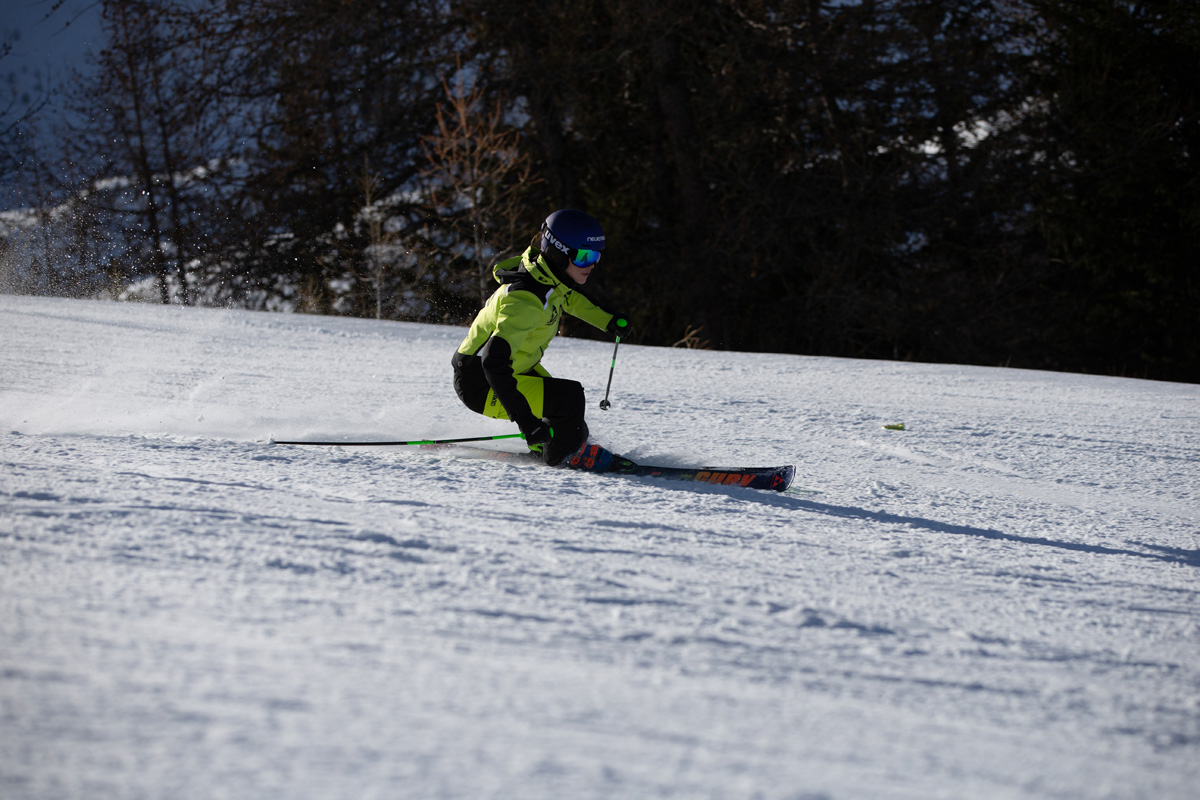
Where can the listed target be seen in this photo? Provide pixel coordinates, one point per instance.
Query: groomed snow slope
(999, 602)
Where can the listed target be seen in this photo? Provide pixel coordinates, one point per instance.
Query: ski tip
(783, 481)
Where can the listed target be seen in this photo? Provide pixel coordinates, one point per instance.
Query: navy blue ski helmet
(576, 234)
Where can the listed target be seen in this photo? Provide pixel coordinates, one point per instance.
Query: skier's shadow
(1171, 555)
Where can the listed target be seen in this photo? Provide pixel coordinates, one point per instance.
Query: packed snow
(999, 601)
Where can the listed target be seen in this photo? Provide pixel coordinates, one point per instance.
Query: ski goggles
(582, 257)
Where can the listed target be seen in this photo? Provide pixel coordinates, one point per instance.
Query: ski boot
(590, 458)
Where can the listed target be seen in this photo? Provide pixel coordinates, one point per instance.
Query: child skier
(497, 368)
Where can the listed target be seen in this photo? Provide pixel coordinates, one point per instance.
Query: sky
(46, 40)
(49, 39)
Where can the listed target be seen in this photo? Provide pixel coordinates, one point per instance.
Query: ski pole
(413, 442)
(604, 404)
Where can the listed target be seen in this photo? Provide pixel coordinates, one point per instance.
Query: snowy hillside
(1001, 601)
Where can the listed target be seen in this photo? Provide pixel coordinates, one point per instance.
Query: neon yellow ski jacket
(518, 322)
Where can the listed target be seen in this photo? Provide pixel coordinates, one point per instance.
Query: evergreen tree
(1119, 194)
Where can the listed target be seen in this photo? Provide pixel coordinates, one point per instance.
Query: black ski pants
(561, 402)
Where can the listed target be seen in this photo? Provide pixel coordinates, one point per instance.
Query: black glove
(536, 431)
(621, 325)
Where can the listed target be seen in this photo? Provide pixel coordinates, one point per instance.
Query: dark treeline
(1005, 182)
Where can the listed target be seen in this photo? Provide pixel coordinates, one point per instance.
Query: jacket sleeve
(580, 306)
(516, 318)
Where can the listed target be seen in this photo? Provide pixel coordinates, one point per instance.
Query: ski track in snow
(999, 602)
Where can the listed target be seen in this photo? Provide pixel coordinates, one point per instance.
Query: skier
(497, 368)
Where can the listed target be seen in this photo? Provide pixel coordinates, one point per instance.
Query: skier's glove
(536, 431)
(621, 325)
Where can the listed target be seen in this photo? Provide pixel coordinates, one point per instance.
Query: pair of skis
(594, 458)
(597, 459)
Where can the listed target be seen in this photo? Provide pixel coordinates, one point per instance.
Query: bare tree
(479, 177)
(149, 136)
(381, 243)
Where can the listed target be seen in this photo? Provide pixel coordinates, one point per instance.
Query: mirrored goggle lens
(585, 258)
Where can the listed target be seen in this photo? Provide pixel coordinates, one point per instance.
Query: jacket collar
(534, 265)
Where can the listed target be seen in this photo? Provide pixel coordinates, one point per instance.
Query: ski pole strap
(411, 442)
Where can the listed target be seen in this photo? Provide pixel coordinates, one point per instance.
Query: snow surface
(998, 602)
